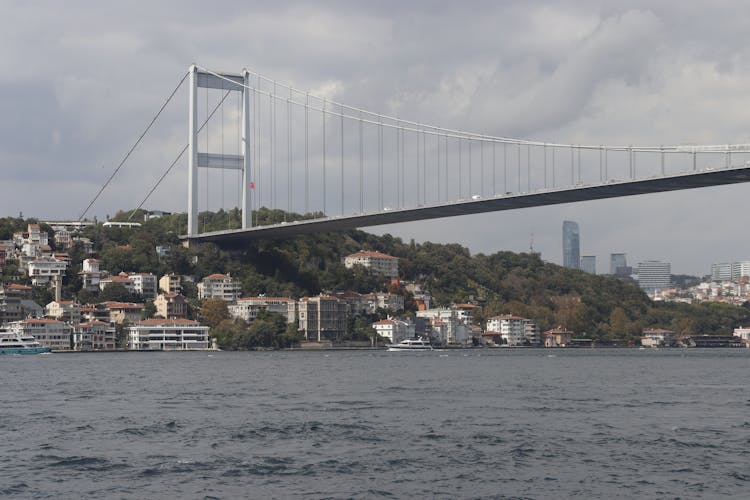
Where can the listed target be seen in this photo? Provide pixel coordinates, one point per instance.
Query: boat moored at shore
(15, 343)
(419, 344)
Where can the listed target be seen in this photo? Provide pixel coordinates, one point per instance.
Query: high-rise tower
(571, 245)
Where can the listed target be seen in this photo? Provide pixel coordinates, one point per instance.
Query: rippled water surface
(456, 424)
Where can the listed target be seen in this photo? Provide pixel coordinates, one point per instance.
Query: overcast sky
(80, 81)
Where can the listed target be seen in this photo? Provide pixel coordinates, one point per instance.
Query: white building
(449, 325)
(654, 275)
(121, 279)
(220, 286)
(247, 308)
(657, 337)
(395, 330)
(514, 330)
(90, 275)
(743, 332)
(168, 335)
(48, 332)
(42, 270)
(376, 262)
(144, 284)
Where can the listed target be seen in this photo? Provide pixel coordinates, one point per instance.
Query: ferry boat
(419, 344)
(15, 343)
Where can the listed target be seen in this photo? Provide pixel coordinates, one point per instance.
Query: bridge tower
(196, 159)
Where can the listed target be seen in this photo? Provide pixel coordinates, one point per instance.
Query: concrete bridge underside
(510, 201)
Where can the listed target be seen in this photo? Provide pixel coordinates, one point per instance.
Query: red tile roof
(167, 322)
(377, 255)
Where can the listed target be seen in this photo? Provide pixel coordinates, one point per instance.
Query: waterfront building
(171, 305)
(376, 262)
(743, 333)
(394, 330)
(448, 325)
(588, 264)
(513, 330)
(48, 332)
(557, 337)
(654, 275)
(322, 318)
(220, 286)
(247, 308)
(168, 335)
(657, 337)
(571, 245)
(94, 336)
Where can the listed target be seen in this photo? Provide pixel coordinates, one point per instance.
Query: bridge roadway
(509, 201)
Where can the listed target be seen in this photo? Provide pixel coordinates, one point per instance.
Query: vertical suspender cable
(505, 167)
(418, 168)
(222, 149)
(361, 166)
(528, 168)
(342, 159)
(437, 149)
(494, 169)
(460, 171)
(481, 167)
(307, 158)
(324, 157)
(519, 167)
(289, 155)
(274, 205)
(380, 163)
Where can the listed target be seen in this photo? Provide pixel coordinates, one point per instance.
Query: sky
(81, 80)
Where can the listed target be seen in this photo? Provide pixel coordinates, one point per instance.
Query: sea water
(475, 423)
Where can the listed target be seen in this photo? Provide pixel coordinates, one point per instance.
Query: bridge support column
(247, 220)
(226, 83)
(192, 212)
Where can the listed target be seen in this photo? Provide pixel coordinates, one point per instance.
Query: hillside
(503, 282)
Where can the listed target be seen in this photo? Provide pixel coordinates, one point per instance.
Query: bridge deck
(510, 201)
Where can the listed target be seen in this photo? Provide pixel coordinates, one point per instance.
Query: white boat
(15, 343)
(419, 344)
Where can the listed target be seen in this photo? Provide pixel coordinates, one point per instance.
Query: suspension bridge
(329, 166)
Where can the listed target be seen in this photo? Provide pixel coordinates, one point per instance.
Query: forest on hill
(592, 306)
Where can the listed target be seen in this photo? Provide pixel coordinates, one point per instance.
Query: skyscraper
(571, 245)
(654, 275)
(618, 265)
(588, 264)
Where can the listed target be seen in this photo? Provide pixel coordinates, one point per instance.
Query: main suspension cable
(137, 142)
